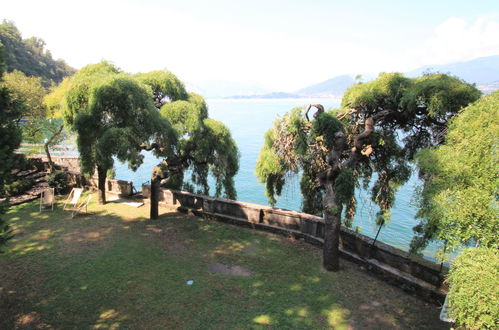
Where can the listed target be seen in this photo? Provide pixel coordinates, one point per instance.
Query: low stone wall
(72, 165)
(408, 271)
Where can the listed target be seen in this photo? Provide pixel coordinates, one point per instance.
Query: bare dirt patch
(233, 270)
(85, 238)
(171, 238)
(30, 321)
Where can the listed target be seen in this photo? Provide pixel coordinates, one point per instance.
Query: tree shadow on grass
(289, 289)
(114, 268)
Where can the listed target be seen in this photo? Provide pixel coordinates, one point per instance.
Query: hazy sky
(283, 44)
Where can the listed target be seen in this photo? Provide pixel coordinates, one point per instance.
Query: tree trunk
(102, 173)
(155, 187)
(49, 142)
(332, 220)
(49, 158)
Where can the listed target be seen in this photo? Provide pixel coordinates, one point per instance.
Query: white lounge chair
(73, 198)
(73, 203)
(47, 198)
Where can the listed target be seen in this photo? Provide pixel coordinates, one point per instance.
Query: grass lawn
(115, 269)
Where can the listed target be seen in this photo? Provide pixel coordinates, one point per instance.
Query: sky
(284, 45)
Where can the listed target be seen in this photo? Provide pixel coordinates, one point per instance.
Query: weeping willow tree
(112, 114)
(373, 137)
(202, 146)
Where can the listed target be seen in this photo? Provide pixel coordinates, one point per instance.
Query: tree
(112, 114)
(459, 200)
(43, 123)
(10, 139)
(196, 143)
(27, 93)
(339, 150)
(474, 289)
(10, 133)
(31, 57)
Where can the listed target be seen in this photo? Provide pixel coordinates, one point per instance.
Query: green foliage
(10, 138)
(344, 186)
(199, 101)
(205, 146)
(407, 115)
(10, 133)
(31, 57)
(26, 93)
(474, 289)
(17, 187)
(184, 116)
(59, 181)
(313, 203)
(218, 150)
(6, 232)
(77, 90)
(163, 84)
(461, 181)
(270, 168)
(438, 96)
(385, 92)
(112, 113)
(327, 125)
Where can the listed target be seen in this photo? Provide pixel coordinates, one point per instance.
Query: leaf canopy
(459, 202)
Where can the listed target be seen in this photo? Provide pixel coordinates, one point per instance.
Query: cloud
(457, 39)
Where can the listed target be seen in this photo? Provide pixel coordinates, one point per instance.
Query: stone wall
(72, 165)
(114, 186)
(411, 272)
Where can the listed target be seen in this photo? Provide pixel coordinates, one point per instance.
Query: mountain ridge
(482, 71)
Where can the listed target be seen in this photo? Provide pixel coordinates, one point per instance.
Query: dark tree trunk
(155, 187)
(332, 220)
(46, 147)
(102, 173)
(49, 158)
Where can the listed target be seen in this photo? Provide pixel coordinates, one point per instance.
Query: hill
(31, 57)
(332, 87)
(481, 71)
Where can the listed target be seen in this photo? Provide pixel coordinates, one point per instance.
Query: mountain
(481, 71)
(332, 87)
(223, 88)
(31, 57)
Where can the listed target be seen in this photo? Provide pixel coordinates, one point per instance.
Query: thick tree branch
(319, 107)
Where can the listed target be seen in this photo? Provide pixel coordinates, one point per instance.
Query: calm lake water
(248, 120)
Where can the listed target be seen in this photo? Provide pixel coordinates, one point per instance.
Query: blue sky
(284, 45)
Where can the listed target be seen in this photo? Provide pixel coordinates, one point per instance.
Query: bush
(474, 289)
(5, 230)
(17, 187)
(59, 181)
(21, 162)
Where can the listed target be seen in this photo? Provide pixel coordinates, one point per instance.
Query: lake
(248, 120)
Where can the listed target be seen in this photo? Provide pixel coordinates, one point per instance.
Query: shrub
(21, 162)
(5, 230)
(59, 181)
(17, 187)
(474, 289)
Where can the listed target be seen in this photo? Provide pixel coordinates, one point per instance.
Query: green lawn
(113, 269)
